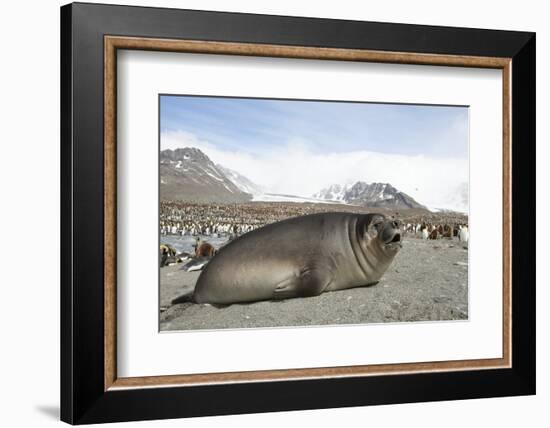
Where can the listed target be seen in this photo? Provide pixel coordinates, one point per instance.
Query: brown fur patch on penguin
(205, 250)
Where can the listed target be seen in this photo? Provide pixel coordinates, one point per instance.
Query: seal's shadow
(186, 299)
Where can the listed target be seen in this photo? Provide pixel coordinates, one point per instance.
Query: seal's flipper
(310, 282)
(286, 289)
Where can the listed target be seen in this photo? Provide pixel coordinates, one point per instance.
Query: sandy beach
(427, 281)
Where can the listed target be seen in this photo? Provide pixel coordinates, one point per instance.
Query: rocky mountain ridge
(379, 195)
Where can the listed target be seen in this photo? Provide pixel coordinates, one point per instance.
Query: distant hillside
(187, 174)
(242, 182)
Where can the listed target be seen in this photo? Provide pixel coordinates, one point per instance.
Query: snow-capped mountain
(382, 195)
(187, 174)
(242, 182)
(335, 192)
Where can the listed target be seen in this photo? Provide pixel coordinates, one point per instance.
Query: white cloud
(294, 169)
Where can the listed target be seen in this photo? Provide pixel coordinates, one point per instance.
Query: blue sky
(300, 147)
(257, 125)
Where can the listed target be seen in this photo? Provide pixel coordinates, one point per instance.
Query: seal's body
(300, 257)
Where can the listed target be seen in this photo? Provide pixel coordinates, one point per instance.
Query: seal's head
(386, 232)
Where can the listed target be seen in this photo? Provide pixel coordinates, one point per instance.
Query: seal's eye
(375, 227)
(378, 224)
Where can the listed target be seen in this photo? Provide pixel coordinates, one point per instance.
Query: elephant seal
(300, 257)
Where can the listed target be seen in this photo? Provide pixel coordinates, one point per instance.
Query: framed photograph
(320, 213)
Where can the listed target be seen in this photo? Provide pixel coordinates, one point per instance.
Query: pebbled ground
(427, 281)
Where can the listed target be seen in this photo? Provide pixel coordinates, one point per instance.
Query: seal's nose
(388, 233)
